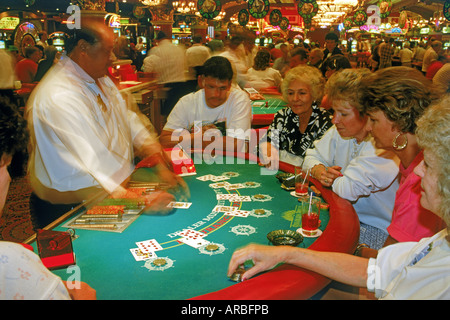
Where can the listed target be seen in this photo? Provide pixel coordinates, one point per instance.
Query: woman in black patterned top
(296, 127)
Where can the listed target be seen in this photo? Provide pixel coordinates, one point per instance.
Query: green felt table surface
(106, 263)
(275, 103)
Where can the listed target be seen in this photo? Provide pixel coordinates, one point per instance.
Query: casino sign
(209, 9)
(275, 17)
(360, 17)
(258, 8)
(307, 9)
(9, 23)
(446, 10)
(243, 17)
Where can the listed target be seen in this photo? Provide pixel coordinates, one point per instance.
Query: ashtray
(285, 238)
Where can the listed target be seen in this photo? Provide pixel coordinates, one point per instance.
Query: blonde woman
(296, 127)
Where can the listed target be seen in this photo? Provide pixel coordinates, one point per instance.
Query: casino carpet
(15, 222)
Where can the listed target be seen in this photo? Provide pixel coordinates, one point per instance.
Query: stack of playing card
(193, 238)
(232, 197)
(231, 211)
(211, 177)
(221, 184)
(235, 186)
(146, 249)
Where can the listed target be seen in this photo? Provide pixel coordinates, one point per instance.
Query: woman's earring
(395, 144)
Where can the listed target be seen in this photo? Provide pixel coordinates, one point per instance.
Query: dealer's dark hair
(87, 34)
(218, 67)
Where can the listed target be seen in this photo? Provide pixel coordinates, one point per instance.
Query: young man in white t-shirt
(219, 113)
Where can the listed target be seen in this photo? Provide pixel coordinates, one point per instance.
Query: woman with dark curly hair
(261, 75)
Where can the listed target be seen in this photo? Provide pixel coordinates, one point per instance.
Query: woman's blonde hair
(345, 85)
(433, 134)
(310, 76)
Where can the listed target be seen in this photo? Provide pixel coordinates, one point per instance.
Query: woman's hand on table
(269, 156)
(326, 175)
(263, 257)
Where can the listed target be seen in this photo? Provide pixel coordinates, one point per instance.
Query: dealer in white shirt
(84, 136)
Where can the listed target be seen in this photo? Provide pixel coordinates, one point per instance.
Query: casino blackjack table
(263, 111)
(233, 202)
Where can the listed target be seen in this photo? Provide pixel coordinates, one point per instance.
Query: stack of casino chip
(101, 216)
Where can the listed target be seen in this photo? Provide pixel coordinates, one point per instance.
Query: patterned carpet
(15, 223)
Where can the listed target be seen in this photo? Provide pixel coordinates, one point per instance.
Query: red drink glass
(301, 182)
(310, 215)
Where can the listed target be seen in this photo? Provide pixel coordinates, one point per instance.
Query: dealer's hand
(157, 202)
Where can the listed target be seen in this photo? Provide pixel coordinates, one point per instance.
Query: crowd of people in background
(427, 56)
(366, 110)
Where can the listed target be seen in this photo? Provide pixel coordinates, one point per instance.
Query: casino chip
(260, 213)
(243, 230)
(230, 174)
(212, 248)
(251, 184)
(158, 263)
(261, 197)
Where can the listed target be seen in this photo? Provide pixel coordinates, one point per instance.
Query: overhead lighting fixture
(331, 11)
(184, 6)
(153, 3)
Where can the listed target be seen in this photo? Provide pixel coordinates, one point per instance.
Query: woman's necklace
(356, 148)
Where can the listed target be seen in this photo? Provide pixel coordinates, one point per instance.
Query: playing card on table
(224, 196)
(149, 246)
(238, 213)
(219, 184)
(236, 198)
(205, 177)
(195, 243)
(234, 186)
(219, 178)
(191, 234)
(224, 209)
(140, 256)
(179, 205)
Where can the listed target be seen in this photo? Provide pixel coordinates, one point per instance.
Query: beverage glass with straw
(301, 182)
(310, 216)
